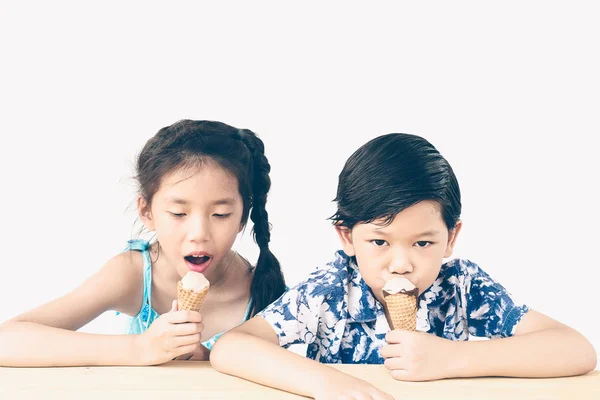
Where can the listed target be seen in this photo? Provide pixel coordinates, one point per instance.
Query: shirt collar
(364, 307)
(362, 304)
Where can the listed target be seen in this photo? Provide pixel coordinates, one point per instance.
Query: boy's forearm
(546, 353)
(254, 359)
(26, 344)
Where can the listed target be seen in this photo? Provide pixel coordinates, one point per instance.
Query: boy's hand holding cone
(400, 296)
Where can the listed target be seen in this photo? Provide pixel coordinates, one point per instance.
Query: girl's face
(196, 215)
(412, 246)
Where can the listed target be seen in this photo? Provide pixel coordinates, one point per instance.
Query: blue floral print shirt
(337, 316)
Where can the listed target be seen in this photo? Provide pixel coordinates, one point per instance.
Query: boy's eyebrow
(430, 233)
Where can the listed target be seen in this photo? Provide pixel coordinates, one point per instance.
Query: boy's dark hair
(391, 173)
(188, 143)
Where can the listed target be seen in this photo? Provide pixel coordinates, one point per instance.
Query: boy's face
(412, 246)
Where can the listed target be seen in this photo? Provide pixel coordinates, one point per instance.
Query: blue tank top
(147, 314)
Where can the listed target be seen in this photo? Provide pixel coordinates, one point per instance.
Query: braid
(268, 282)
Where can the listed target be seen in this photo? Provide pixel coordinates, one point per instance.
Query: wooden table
(198, 380)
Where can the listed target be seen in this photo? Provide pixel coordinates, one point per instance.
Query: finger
(190, 348)
(382, 396)
(394, 363)
(401, 375)
(182, 316)
(396, 336)
(174, 306)
(391, 350)
(179, 341)
(188, 328)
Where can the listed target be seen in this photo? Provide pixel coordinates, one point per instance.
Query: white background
(509, 93)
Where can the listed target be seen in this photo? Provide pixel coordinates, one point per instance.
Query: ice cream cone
(402, 308)
(400, 296)
(189, 299)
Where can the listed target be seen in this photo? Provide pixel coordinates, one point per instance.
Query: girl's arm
(46, 335)
(251, 351)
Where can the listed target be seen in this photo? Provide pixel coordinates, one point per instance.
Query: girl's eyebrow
(177, 200)
(226, 201)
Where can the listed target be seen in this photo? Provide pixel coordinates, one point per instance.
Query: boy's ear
(345, 235)
(452, 235)
(145, 213)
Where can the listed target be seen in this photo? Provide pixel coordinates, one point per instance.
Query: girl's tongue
(197, 260)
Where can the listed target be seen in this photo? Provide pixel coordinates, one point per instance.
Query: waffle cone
(189, 299)
(403, 310)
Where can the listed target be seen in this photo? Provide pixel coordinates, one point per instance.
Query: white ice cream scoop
(398, 285)
(194, 281)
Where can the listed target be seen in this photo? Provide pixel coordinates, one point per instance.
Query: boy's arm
(251, 351)
(524, 343)
(541, 347)
(45, 335)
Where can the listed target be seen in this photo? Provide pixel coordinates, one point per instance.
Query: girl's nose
(198, 230)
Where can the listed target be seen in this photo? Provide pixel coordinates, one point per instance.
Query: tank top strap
(247, 315)
(144, 247)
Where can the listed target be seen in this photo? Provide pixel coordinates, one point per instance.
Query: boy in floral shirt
(398, 216)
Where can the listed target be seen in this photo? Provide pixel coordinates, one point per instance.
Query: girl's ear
(452, 234)
(345, 235)
(145, 213)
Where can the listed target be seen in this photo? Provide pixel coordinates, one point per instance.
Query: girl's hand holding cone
(171, 335)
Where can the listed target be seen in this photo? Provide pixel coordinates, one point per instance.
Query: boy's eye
(378, 242)
(177, 215)
(223, 216)
(423, 243)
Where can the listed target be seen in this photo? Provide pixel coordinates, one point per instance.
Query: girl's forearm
(249, 357)
(547, 353)
(27, 344)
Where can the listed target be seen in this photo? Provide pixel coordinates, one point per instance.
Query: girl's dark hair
(391, 173)
(189, 143)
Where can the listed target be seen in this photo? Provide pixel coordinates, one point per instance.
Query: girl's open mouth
(197, 260)
(198, 263)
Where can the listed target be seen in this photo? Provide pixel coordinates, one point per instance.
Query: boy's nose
(400, 264)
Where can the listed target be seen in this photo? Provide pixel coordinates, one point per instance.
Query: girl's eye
(378, 242)
(177, 215)
(222, 216)
(423, 243)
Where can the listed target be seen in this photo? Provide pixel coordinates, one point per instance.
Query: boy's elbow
(588, 357)
(591, 361)
(218, 354)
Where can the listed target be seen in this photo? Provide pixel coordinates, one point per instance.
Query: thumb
(173, 306)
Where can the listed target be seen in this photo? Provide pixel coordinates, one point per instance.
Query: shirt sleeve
(294, 316)
(491, 311)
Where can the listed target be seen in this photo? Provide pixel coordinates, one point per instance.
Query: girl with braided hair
(199, 182)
